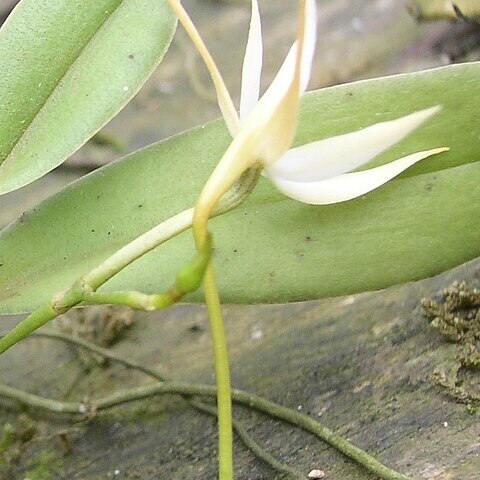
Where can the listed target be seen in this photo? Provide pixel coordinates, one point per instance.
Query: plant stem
(98, 276)
(241, 397)
(139, 247)
(222, 375)
(35, 320)
(122, 258)
(233, 192)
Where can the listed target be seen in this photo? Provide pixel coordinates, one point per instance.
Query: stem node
(64, 301)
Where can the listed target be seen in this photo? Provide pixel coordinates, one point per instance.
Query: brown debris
(455, 313)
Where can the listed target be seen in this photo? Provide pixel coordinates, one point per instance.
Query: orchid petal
(309, 45)
(337, 155)
(252, 65)
(267, 132)
(350, 185)
(283, 82)
(275, 115)
(223, 96)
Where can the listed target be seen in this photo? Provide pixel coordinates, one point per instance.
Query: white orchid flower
(267, 131)
(318, 172)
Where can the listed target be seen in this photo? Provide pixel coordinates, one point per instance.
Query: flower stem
(122, 258)
(35, 320)
(98, 276)
(222, 375)
(188, 280)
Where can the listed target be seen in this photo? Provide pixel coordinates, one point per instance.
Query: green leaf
(66, 69)
(272, 248)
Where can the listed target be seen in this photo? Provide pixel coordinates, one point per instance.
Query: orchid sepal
(348, 186)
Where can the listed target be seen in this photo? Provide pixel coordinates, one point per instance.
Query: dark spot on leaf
(108, 233)
(93, 230)
(195, 328)
(308, 238)
(131, 56)
(140, 205)
(349, 94)
(235, 250)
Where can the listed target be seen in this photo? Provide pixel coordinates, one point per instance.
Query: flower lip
(340, 154)
(348, 186)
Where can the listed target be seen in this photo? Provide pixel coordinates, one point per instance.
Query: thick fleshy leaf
(66, 69)
(272, 248)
